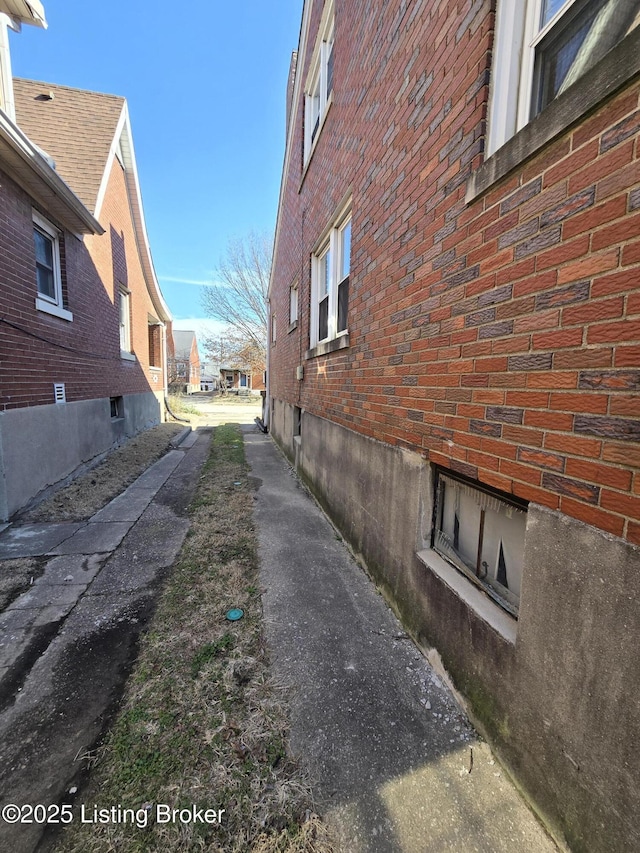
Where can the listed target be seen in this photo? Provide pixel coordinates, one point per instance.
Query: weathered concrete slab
(128, 506)
(156, 475)
(397, 764)
(11, 645)
(33, 617)
(72, 568)
(189, 440)
(95, 538)
(152, 545)
(32, 540)
(43, 595)
(177, 440)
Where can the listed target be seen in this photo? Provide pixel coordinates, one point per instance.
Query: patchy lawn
(202, 722)
(91, 491)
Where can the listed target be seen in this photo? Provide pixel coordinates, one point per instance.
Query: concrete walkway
(397, 767)
(396, 763)
(66, 645)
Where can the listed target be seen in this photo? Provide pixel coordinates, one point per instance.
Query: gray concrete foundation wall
(556, 693)
(41, 445)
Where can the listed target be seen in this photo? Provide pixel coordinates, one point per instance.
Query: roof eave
(25, 12)
(29, 169)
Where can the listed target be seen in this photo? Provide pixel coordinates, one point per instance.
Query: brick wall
(499, 338)
(84, 353)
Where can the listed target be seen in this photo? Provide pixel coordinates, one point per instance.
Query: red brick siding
(84, 353)
(500, 338)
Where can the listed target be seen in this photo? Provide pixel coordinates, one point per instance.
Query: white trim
(331, 244)
(519, 36)
(32, 172)
(7, 102)
(124, 324)
(316, 82)
(122, 150)
(25, 12)
(56, 310)
(54, 304)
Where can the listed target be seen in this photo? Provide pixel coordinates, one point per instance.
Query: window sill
(604, 80)
(155, 368)
(474, 598)
(292, 327)
(328, 346)
(127, 356)
(54, 310)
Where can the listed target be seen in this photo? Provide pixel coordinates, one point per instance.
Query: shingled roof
(74, 127)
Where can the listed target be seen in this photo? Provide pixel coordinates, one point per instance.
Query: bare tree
(238, 297)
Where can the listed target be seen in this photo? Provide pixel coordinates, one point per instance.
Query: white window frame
(317, 95)
(485, 541)
(124, 321)
(51, 304)
(327, 274)
(518, 36)
(293, 303)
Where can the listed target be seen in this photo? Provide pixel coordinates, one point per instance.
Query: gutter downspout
(266, 403)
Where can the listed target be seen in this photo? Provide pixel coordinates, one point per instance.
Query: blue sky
(206, 87)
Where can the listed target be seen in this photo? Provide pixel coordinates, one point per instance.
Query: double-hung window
(49, 297)
(331, 266)
(124, 298)
(542, 47)
(319, 85)
(293, 303)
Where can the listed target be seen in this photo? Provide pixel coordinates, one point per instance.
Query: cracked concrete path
(67, 643)
(397, 766)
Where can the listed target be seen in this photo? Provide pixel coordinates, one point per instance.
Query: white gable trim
(122, 149)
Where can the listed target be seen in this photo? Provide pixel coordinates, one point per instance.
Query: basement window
(117, 407)
(481, 532)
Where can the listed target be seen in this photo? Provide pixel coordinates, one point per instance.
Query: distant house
(82, 318)
(184, 361)
(209, 376)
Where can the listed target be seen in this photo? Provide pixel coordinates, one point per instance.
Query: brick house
(184, 361)
(82, 318)
(456, 368)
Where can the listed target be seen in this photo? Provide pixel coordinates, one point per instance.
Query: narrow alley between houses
(371, 751)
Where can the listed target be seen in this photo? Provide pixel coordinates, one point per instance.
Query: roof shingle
(75, 127)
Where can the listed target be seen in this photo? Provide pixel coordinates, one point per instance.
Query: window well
(481, 533)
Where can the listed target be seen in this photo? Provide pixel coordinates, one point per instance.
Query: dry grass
(202, 721)
(91, 491)
(16, 576)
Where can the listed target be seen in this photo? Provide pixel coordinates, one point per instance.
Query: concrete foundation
(41, 445)
(555, 690)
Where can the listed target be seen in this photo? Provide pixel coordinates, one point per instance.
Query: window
(155, 345)
(117, 407)
(125, 320)
(560, 39)
(319, 82)
(49, 296)
(330, 284)
(293, 303)
(482, 535)
(273, 328)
